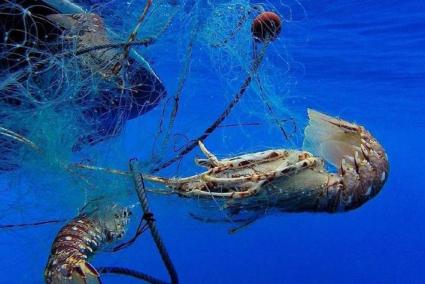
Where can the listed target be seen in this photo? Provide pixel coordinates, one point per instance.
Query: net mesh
(68, 87)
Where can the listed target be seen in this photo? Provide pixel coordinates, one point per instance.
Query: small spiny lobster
(79, 239)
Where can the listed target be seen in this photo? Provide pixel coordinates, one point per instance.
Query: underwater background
(360, 60)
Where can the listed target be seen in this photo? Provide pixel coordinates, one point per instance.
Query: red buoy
(266, 26)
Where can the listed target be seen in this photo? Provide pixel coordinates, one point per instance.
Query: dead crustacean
(295, 181)
(79, 239)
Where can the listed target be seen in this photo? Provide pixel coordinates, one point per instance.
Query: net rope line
(176, 98)
(131, 273)
(144, 42)
(131, 38)
(150, 221)
(264, 98)
(13, 135)
(140, 188)
(257, 60)
(25, 225)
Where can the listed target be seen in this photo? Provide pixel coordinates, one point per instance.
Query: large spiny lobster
(291, 180)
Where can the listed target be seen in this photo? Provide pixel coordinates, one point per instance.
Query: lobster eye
(109, 236)
(126, 213)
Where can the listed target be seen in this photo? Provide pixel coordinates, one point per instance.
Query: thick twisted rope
(256, 62)
(148, 217)
(141, 193)
(130, 272)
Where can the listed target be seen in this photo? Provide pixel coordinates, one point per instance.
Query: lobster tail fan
(330, 138)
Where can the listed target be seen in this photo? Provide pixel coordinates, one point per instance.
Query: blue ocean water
(360, 60)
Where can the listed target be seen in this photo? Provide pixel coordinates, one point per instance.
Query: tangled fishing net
(82, 94)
